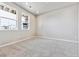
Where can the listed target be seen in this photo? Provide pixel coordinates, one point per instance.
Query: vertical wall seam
(76, 28)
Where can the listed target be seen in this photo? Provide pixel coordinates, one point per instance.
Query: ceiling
(38, 8)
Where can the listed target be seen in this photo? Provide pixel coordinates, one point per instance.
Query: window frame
(27, 22)
(10, 19)
(11, 8)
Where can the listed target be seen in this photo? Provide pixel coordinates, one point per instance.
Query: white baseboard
(13, 42)
(43, 37)
(65, 40)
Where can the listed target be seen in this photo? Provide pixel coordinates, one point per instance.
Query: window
(25, 22)
(8, 19)
(7, 24)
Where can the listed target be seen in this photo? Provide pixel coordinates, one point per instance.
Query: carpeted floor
(39, 47)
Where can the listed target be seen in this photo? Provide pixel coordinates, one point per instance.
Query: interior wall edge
(58, 39)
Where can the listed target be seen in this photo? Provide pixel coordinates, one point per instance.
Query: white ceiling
(42, 7)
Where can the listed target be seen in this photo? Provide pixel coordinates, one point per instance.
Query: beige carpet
(39, 48)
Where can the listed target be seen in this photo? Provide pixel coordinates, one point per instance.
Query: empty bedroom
(39, 29)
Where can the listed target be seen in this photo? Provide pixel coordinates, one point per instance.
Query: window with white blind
(8, 17)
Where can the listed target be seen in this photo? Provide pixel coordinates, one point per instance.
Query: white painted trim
(57, 9)
(65, 40)
(10, 43)
(43, 37)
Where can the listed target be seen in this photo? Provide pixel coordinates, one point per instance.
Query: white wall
(59, 24)
(10, 36)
